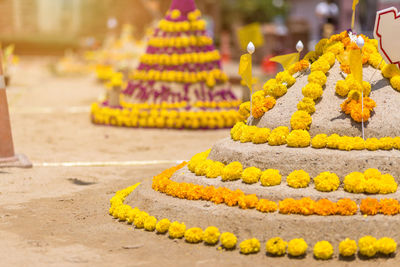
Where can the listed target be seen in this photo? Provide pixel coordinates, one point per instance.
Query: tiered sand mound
(328, 117)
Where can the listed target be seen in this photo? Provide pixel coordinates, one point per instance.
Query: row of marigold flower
(163, 119)
(302, 138)
(305, 206)
(372, 181)
(276, 246)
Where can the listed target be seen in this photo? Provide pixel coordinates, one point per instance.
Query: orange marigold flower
(218, 196)
(325, 207)
(389, 206)
(306, 206)
(345, 68)
(258, 109)
(194, 192)
(269, 102)
(248, 201)
(231, 198)
(346, 206)
(208, 192)
(369, 103)
(369, 206)
(360, 115)
(288, 206)
(265, 205)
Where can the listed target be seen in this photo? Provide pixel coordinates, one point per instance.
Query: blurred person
(327, 12)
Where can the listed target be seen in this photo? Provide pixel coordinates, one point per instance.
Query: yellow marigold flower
(270, 177)
(390, 70)
(194, 235)
(388, 184)
(372, 144)
(201, 167)
(244, 110)
(273, 88)
(140, 219)
(320, 65)
(261, 136)
(330, 57)
(368, 246)
(354, 182)
(310, 56)
(236, 131)
(335, 48)
(326, 182)
(317, 77)
(214, 169)
(395, 82)
(375, 59)
(132, 214)
(386, 245)
(386, 143)
(211, 235)
(300, 120)
(319, 141)
(247, 134)
(396, 142)
(297, 247)
(312, 90)
(307, 104)
(265, 205)
(298, 179)
(276, 246)
(176, 230)
(372, 186)
(175, 14)
(366, 88)
(298, 138)
(285, 77)
(348, 247)
(150, 223)
(341, 88)
(278, 136)
(228, 240)
(249, 246)
(372, 174)
(323, 250)
(232, 171)
(251, 175)
(162, 226)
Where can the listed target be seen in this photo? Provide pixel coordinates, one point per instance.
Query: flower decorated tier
(179, 82)
(283, 185)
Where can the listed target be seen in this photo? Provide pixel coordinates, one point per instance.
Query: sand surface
(57, 216)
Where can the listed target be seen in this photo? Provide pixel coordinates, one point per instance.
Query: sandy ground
(57, 216)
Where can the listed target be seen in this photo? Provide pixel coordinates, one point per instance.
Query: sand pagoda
(179, 82)
(296, 174)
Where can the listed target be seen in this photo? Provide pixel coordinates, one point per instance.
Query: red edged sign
(387, 32)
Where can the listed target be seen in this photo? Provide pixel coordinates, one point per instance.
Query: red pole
(6, 142)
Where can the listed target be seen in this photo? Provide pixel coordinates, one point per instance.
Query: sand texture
(252, 223)
(329, 119)
(313, 161)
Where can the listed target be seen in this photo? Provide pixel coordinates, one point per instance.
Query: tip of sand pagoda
(328, 117)
(183, 6)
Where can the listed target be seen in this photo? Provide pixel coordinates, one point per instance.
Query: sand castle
(298, 171)
(179, 82)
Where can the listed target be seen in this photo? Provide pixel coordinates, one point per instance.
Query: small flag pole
(250, 49)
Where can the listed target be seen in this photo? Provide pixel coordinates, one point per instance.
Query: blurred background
(52, 27)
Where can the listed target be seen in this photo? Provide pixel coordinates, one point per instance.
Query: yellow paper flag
(286, 60)
(245, 69)
(355, 3)
(356, 66)
(251, 32)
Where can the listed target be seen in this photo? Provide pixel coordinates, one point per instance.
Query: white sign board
(387, 32)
